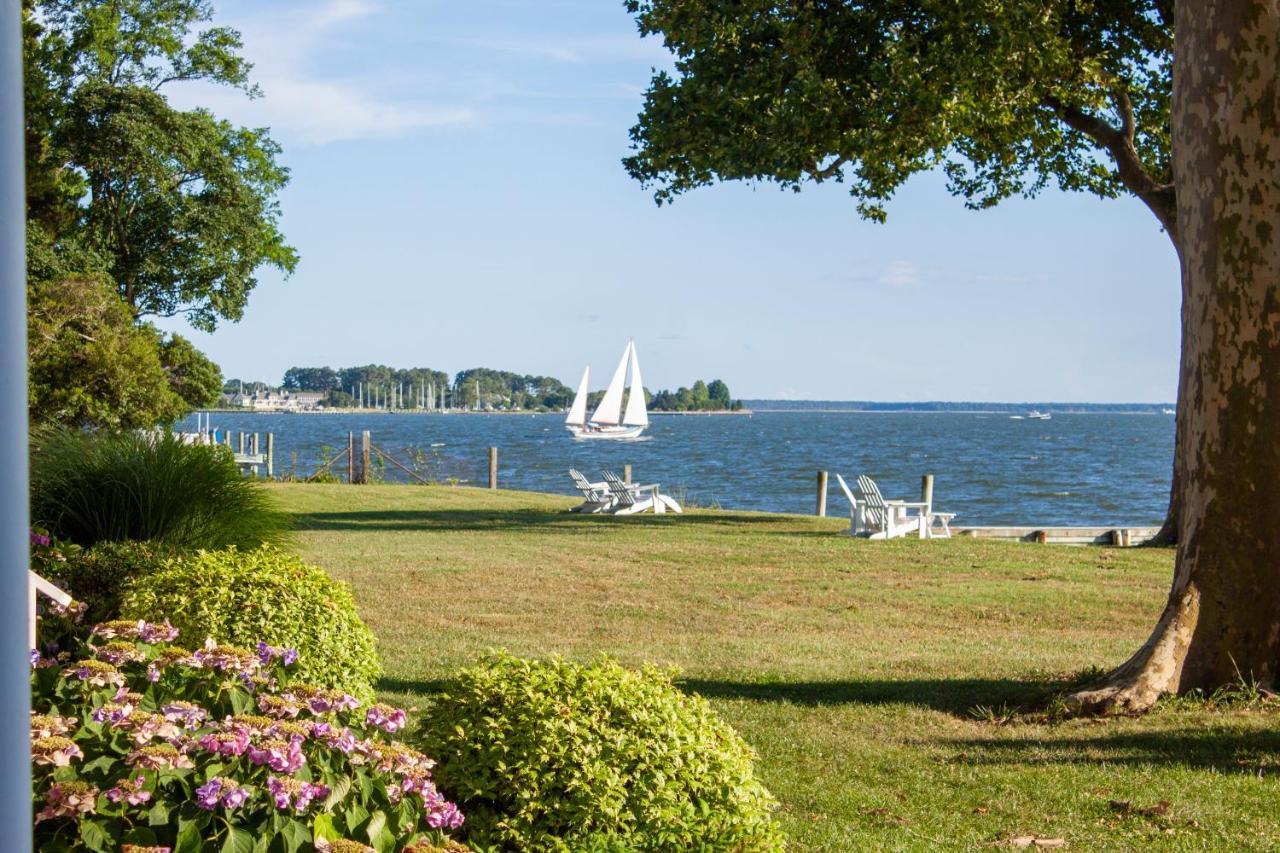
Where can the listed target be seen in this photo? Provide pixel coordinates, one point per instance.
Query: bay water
(990, 469)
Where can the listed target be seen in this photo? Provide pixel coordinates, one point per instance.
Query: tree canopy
(1008, 96)
(510, 390)
(192, 376)
(702, 397)
(89, 364)
(177, 207)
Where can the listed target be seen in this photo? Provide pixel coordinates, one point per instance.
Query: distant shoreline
(765, 407)
(236, 410)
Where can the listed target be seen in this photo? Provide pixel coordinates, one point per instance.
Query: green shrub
(98, 576)
(139, 742)
(552, 755)
(90, 487)
(268, 595)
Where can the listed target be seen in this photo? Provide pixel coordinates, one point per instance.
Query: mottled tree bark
(1222, 619)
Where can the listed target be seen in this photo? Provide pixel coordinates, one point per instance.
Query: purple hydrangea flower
(208, 794)
(235, 798)
(385, 717)
(278, 755)
(445, 817)
(40, 539)
(131, 791)
(234, 742)
(220, 791)
(340, 739)
(294, 793)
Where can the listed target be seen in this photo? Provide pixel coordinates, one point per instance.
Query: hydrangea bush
(140, 745)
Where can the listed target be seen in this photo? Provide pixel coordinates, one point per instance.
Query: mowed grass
(872, 678)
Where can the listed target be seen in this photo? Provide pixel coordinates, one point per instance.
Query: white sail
(578, 411)
(637, 414)
(610, 409)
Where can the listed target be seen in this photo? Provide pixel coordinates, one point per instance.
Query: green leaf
(95, 836)
(295, 835)
(158, 815)
(188, 840)
(241, 702)
(382, 838)
(338, 789)
(322, 827)
(238, 841)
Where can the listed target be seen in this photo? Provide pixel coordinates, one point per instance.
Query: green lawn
(855, 669)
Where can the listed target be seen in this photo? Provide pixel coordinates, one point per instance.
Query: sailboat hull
(616, 433)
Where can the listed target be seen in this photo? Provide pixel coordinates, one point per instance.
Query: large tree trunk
(1168, 533)
(1222, 619)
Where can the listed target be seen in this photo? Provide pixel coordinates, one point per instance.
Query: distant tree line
(702, 397)
(370, 385)
(501, 389)
(475, 388)
(383, 386)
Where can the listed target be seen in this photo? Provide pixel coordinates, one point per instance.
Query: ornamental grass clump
(267, 596)
(90, 487)
(553, 755)
(217, 748)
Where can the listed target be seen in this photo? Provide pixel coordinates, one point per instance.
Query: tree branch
(821, 174)
(1128, 127)
(1119, 143)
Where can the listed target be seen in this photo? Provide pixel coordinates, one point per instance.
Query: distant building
(268, 400)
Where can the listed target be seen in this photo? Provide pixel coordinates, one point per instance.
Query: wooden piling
(240, 443)
(926, 491)
(364, 456)
(351, 457)
(493, 467)
(271, 454)
(626, 474)
(822, 493)
(254, 445)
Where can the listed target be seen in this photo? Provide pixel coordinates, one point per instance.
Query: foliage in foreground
(549, 755)
(102, 486)
(144, 743)
(268, 595)
(97, 576)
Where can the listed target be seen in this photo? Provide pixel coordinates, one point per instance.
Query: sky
(458, 200)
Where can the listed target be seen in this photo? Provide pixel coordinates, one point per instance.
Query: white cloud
(900, 274)
(305, 100)
(576, 49)
(908, 274)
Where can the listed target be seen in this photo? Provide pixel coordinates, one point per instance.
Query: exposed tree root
(1154, 670)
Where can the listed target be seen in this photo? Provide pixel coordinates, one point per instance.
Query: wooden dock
(1118, 536)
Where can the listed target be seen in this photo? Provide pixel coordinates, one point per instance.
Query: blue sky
(458, 201)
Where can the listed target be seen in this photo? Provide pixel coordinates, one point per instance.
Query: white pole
(15, 664)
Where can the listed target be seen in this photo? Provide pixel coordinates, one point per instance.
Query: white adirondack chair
(885, 519)
(631, 499)
(596, 496)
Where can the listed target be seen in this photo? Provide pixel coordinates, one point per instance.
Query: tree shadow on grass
(1222, 748)
(421, 687)
(952, 696)
(525, 519)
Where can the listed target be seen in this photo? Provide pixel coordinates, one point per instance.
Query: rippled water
(1075, 469)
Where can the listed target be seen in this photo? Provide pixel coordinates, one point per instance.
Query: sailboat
(609, 420)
